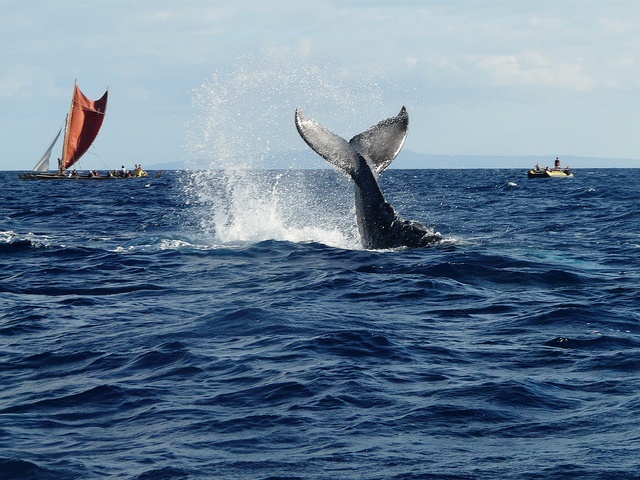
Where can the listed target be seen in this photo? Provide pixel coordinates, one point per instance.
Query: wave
(600, 342)
(17, 469)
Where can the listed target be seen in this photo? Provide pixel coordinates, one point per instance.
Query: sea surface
(227, 325)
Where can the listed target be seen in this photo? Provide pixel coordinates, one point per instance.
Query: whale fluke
(363, 158)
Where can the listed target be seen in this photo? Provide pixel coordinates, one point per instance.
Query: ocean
(226, 324)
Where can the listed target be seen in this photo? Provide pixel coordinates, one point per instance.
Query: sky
(196, 81)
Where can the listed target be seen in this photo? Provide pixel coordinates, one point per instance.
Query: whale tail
(379, 145)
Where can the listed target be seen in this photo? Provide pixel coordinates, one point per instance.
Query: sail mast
(65, 144)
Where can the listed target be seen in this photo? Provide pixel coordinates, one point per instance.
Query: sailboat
(81, 129)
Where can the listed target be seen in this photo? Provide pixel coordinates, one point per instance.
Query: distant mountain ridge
(411, 160)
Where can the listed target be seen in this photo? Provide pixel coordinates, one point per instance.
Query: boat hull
(549, 174)
(53, 176)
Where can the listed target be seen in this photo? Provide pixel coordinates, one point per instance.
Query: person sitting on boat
(139, 172)
(538, 167)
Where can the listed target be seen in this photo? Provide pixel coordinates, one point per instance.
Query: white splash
(249, 206)
(244, 126)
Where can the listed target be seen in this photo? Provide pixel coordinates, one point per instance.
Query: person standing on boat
(557, 166)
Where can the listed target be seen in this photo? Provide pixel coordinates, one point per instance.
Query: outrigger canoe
(81, 127)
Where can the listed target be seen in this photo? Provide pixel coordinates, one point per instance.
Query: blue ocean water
(227, 325)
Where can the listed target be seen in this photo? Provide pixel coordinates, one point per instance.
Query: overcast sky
(205, 78)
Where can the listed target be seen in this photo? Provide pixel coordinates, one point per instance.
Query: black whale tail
(379, 145)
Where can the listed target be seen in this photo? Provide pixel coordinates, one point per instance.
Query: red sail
(83, 126)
